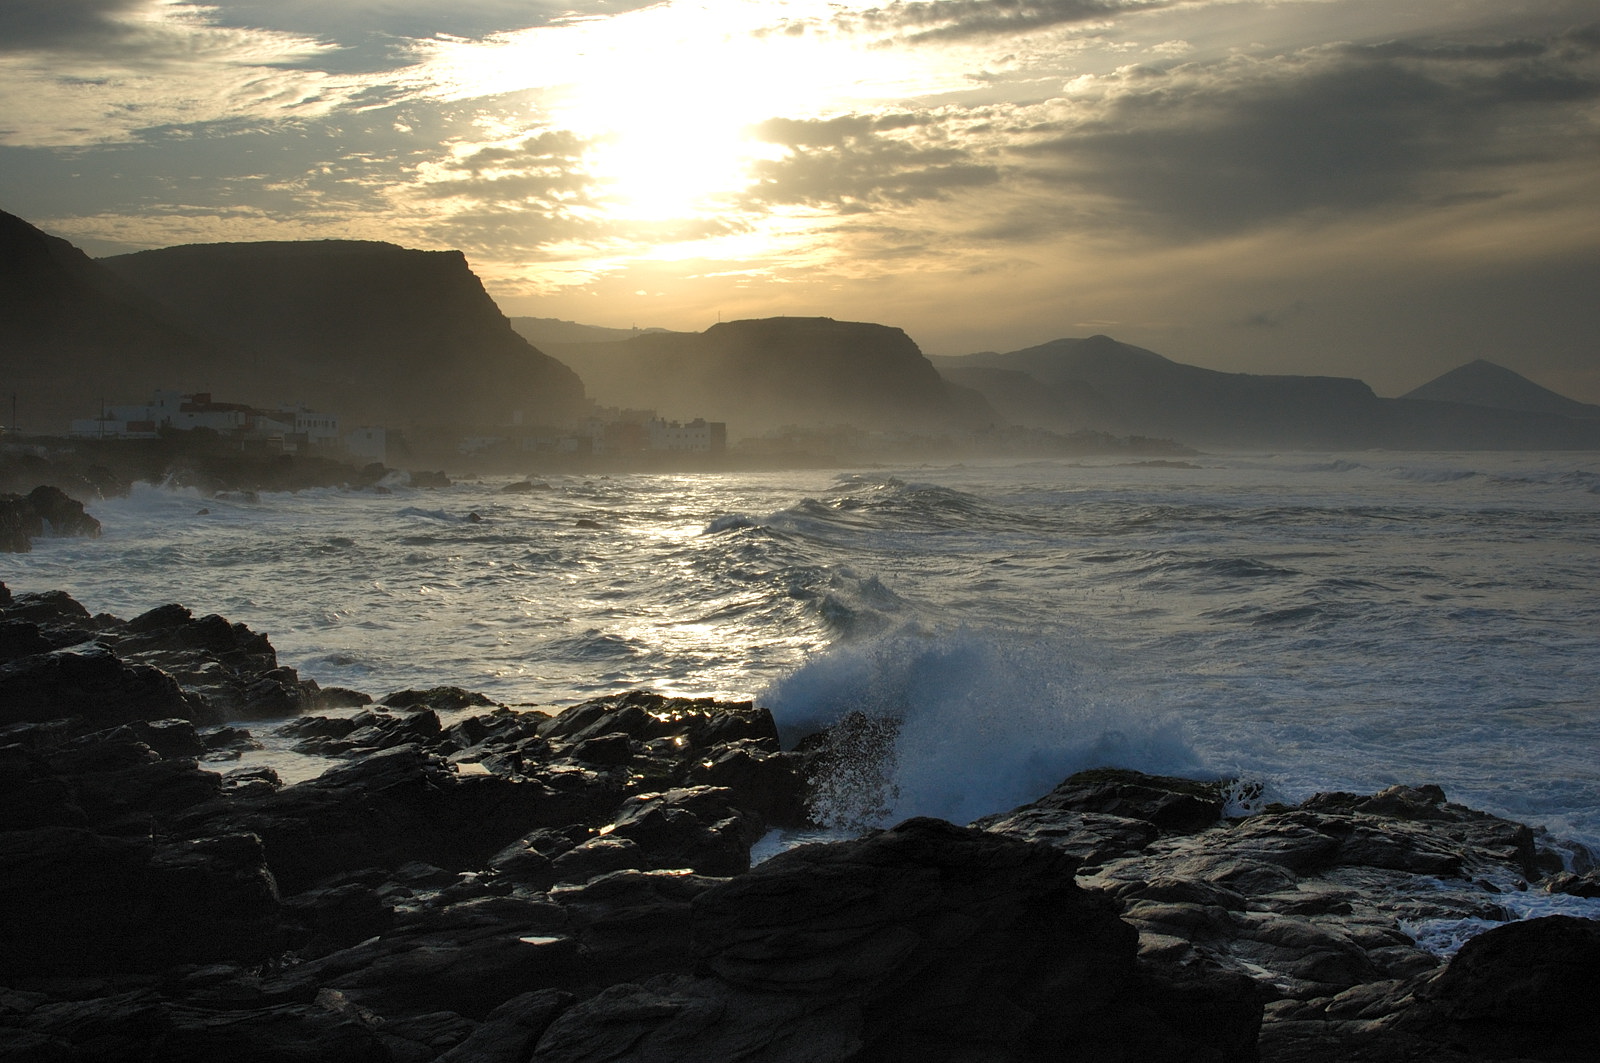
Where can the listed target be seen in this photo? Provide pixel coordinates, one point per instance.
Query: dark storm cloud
(1228, 147)
(77, 25)
(855, 162)
(928, 20)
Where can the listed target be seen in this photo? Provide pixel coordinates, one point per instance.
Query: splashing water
(981, 722)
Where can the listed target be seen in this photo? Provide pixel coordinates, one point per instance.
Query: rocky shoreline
(471, 882)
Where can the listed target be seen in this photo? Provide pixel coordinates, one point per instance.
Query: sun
(666, 96)
(669, 138)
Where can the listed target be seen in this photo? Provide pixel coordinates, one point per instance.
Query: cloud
(70, 25)
(347, 20)
(540, 172)
(855, 162)
(1223, 147)
(944, 20)
(100, 72)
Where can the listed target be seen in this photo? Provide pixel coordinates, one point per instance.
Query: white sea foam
(1444, 937)
(985, 721)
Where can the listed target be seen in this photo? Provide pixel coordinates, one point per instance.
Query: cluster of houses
(288, 428)
(291, 429)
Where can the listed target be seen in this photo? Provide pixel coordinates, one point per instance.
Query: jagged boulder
(233, 669)
(93, 684)
(389, 808)
(45, 510)
(1525, 989)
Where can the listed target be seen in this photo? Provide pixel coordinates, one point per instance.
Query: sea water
(1306, 622)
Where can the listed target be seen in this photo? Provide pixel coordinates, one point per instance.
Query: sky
(1355, 188)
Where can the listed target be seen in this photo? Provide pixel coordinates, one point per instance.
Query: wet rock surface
(466, 881)
(59, 662)
(45, 510)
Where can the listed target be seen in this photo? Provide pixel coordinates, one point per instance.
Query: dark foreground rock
(45, 510)
(57, 662)
(1320, 906)
(469, 882)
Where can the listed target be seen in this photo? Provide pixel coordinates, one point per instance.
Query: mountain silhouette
(73, 333)
(543, 332)
(1101, 384)
(368, 330)
(1111, 386)
(1483, 383)
(765, 373)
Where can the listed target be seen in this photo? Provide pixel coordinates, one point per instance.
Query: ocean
(1303, 622)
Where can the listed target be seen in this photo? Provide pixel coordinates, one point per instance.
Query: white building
(290, 427)
(699, 435)
(370, 443)
(318, 429)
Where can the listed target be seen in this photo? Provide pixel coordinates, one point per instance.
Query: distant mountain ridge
(1116, 386)
(765, 373)
(377, 333)
(545, 331)
(1099, 383)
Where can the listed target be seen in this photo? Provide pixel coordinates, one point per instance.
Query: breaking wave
(971, 722)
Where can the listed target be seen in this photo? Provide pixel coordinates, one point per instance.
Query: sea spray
(982, 720)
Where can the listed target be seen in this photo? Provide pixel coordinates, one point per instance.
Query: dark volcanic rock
(163, 663)
(1317, 905)
(389, 808)
(1526, 989)
(516, 887)
(439, 699)
(46, 510)
(1172, 805)
(142, 1025)
(928, 942)
(94, 684)
(18, 525)
(61, 514)
(232, 668)
(698, 828)
(76, 903)
(52, 611)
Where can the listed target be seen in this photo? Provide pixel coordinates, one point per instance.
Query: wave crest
(982, 721)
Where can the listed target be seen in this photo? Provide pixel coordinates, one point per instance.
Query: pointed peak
(1484, 383)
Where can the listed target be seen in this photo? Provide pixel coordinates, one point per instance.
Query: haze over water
(1309, 621)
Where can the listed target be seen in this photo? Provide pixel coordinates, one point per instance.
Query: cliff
(764, 373)
(72, 333)
(368, 330)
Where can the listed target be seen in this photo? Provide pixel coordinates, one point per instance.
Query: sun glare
(666, 95)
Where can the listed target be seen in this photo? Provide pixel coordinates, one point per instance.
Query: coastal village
(293, 428)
